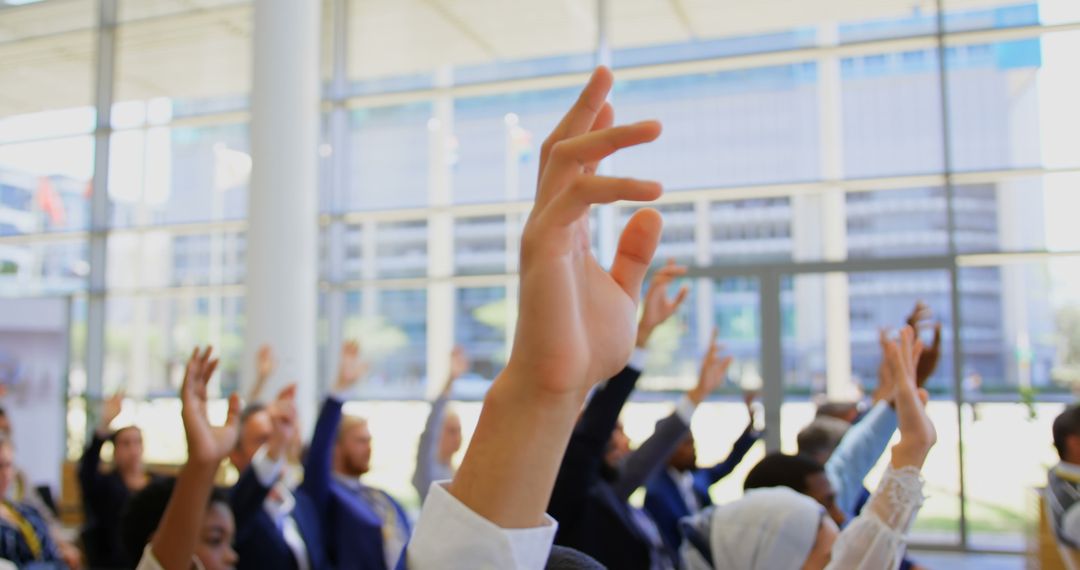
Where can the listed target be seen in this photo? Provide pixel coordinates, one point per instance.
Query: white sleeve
(875, 539)
(450, 535)
(267, 470)
(148, 561)
(685, 408)
(638, 359)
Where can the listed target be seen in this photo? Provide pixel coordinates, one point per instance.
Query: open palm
(207, 444)
(577, 320)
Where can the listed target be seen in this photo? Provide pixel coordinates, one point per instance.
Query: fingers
(598, 145)
(583, 114)
(681, 296)
(572, 205)
(287, 393)
(233, 417)
(937, 337)
(604, 120)
(637, 246)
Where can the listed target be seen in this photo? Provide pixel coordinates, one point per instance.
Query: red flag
(50, 202)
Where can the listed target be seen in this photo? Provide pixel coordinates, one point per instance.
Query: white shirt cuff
(267, 470)
(685, 408)
(638, 359)
(448, 531)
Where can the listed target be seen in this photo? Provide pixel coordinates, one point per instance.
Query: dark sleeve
(585, 453)
(90, 476)
(646, 460)
(317, 465)
(246, 498)
(738, 451)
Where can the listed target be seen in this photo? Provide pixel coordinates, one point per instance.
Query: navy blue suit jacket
(354, 538)
(591, 503)
(665, 503)
(260, 544)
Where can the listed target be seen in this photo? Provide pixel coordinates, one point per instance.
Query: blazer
(354, 538)
(665, 504)
(590, 501)
(259, 542)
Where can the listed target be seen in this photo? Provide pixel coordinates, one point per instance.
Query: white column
(440, 291)
(282, 267)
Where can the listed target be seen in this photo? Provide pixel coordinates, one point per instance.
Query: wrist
(696, 395)
(643, 334)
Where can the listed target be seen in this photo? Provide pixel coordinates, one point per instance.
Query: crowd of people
(547, 479)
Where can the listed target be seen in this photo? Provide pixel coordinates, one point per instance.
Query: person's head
(143, 513)
(766, 529)
(685, 456)
(618, 446)
(5, 422)
(847, 411)
(255, 429)
(820, 437)
(352, 452)
(450, 442)
(1067, 434)
(7, 464)
(128, 450)
(798, 473)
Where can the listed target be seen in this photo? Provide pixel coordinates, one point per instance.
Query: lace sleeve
(875, 539)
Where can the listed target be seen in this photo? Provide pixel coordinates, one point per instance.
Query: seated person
(1063, 485)
(798, 473)
(24, 534)
(186, 523)
(441, 438)
(779, 529)
(682, 489)
(593, 488)
(105, 492)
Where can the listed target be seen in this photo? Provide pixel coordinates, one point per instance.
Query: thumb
(637, 246)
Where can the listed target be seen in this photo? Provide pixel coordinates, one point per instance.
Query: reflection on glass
(162, 259)
(482, 320)
(480, 245)
(175, 175)
(388, 158)
(43, 268)
(148, 341)
(392, 327)
(45, 185)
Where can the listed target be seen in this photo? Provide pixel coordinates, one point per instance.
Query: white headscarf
(768, 529)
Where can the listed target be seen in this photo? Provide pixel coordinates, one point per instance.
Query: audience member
(277, 526)
(441, 438)
(195, 527)
(778, 528)
(1063, 487)
(24, 534)
(798, 473)
(366, 527)
(682, 489)
(104, 494)
(591, 495)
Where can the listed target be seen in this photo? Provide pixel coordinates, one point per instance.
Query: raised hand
(283, 417)
(931, 355)
(658, 306)
(749, 396)
(576, 322)
(459, 365)
(265, 363)
(351, 367)
(713, 372)
(917, 433)
(207, 444)
(110, 410)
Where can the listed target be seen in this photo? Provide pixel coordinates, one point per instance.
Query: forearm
(511, 464)
(738, 452)
(427, 449)
(858, 452)
(177, 535)
(90, 462)
(647, 459)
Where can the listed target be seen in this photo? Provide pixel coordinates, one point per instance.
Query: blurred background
(830, 162)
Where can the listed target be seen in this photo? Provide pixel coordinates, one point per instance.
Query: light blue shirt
(858, 452)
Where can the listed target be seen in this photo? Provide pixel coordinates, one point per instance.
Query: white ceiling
(201, 48)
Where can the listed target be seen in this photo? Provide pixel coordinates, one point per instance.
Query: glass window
(480, 245)
(163, 259)
(45, 185)
(43, 267)
(392, 326)
(482, 326)
(401, 249)
(176, 175)
(388, 157)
